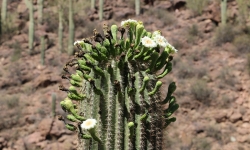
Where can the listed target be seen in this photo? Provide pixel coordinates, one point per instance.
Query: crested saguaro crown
(114, 102)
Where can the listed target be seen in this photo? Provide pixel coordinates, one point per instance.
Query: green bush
(197, 6)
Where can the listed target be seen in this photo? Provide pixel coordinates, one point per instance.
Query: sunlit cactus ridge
(114, 100)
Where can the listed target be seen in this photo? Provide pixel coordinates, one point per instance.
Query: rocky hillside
(211, 71)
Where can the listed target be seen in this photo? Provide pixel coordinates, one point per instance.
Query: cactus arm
(31, 25)
(223, 12)
(100, 9)
(42, 50)
(60, 27)
(4, 11)
(40, 11)
(92, 4)
(137, 7)
(71, 28)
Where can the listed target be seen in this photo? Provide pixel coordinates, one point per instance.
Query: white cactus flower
(155, 33)
(172, 49)
(88, 124)
(128, 22)
(148, 42)
(78, 42)
(160, 40)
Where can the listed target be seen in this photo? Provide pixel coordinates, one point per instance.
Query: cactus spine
(42, 50)
(60, 26)
(31, 25)
(40, 11)
(114, 100)
(92, 4)
(100, 9)
(137, 7)
(71, 28)
(223, 12)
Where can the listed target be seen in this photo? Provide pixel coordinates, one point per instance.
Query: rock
(34, 138)
(124, 13)
(167, 5)
(236, 116)
(220, 116)
(44, 126)
(30, 119)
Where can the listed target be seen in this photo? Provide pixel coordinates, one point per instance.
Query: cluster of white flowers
(148, 42)
(157, 39)
(88, 124)
(128, 22)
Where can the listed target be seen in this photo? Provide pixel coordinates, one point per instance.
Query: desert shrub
(16, 51)
(163, 15)
(8, 28)
(243, 10)
(227, 78)
(223, 35)
(248, 63)
(11, 101)
(202, 143)
(242, 42)
(184, 70)
(214, 132)
(197, 6)
(201, 91)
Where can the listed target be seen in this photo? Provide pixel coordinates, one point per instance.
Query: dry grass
(197, 6)
(224, 34)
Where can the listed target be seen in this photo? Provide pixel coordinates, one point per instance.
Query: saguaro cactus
(4, 11)
(92, 4)
(100, 9)
(137, 7)
(42, 49)
(71, 27)
(114, 101)
(40, 11)
(60, 26)
(223, 12)
(31, 25)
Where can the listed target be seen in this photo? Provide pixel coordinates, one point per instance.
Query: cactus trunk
(42, 50)
(223, 12)
(92, 4)
(4, 11)
(40, 11)
(100, 9)
(60, 27)
(137, 7)
(115, 89)
(31, 25)
(71, 28)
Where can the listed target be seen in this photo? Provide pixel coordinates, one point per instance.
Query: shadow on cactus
(114, 101)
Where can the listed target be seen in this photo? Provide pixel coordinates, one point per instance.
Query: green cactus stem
(223, 12)
(115, 92)
(42, 50)
(4, 11)
(53, 97)
(71, 28)
(29, 4)
(60, 26)
(92, 6)
(100, 9)
(40, 11)
(137, 7)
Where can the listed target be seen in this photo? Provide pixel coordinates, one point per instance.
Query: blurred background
(211, 68)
